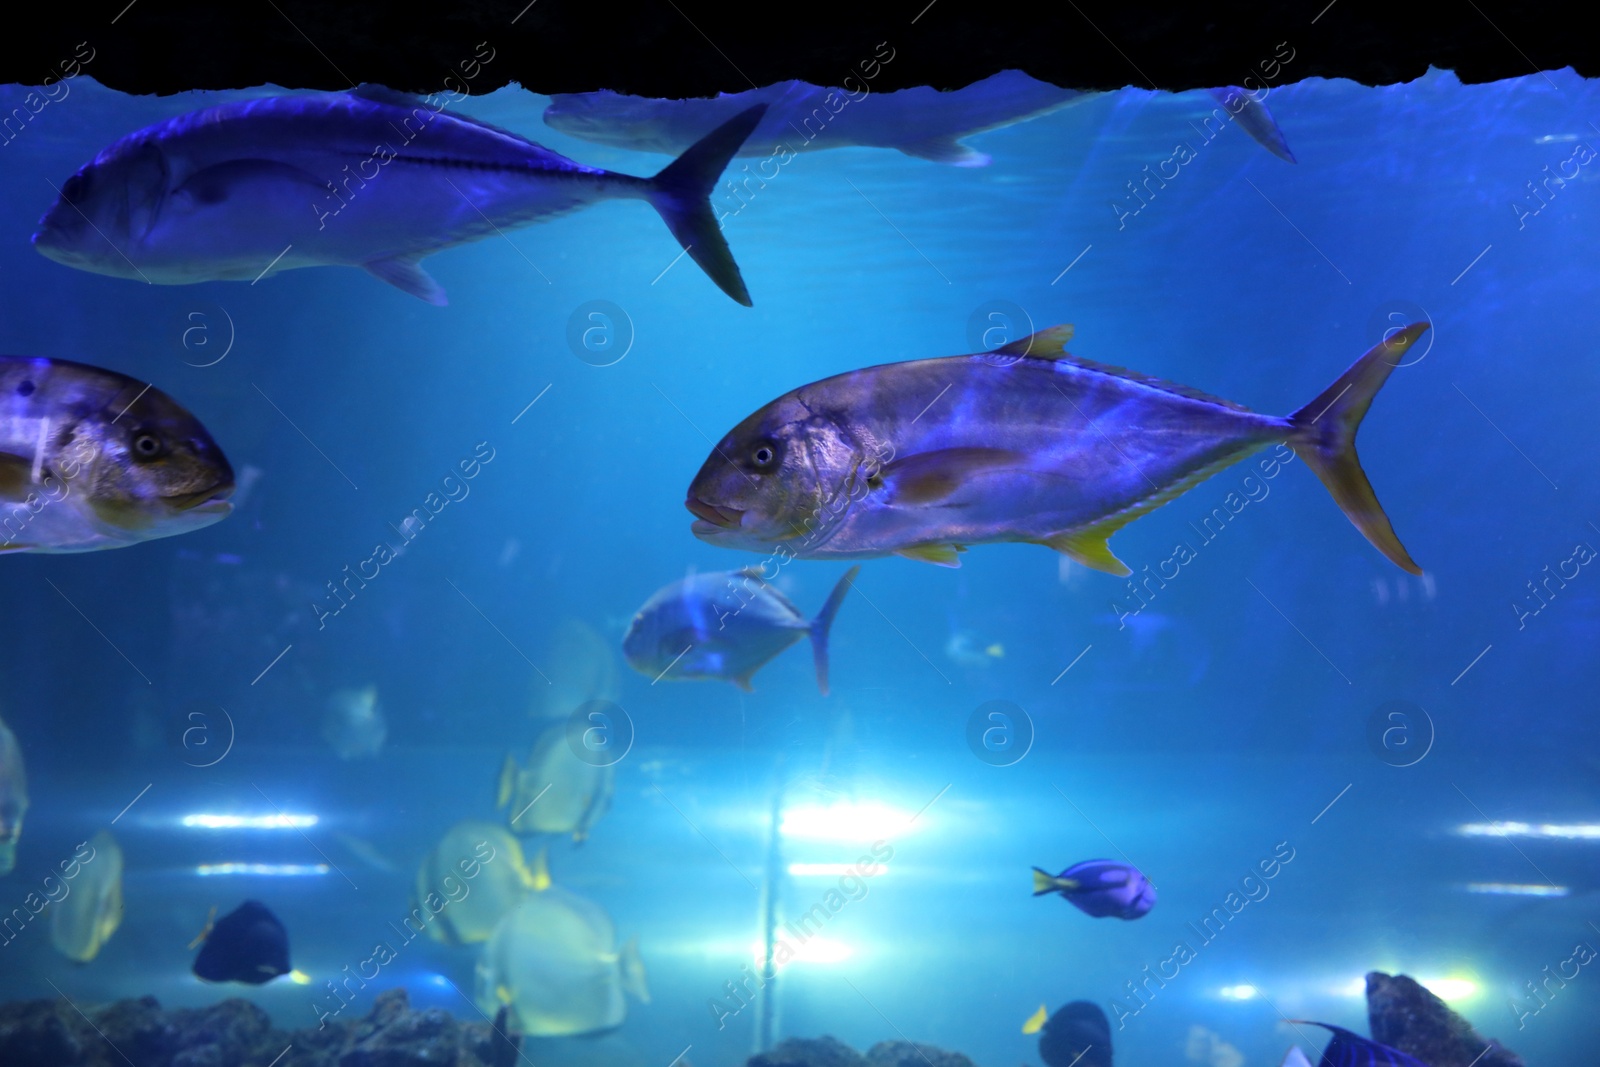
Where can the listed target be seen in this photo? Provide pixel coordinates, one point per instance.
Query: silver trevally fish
(725, 624)
(369, 178)
(93, 459)
(921, 122)
(556, 793)
(13, 798)
(81, 923)
(1031, 444)
(554, 962)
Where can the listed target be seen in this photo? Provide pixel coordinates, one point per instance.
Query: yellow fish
(474, 876)
(84, 921)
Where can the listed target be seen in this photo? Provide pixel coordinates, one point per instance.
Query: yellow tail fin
(1325, 437)
(1043, 882)
(1036, 1021)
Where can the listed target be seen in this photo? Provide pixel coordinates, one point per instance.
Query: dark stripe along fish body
(1027, 443)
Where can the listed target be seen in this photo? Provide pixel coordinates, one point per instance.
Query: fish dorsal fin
(211, 923)
(1087, 545)
(508, 781)
(946, 150)
(1050, 343)
(1036, 1021)
(382, 94)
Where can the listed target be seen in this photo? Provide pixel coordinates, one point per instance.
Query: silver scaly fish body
(1028, 444)
(93, 459)
(369, 178)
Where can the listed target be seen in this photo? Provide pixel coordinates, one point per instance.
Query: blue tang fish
(1026, 443)
(369, 178)
(725, 624)
(1348, 1049)
(1100, 888)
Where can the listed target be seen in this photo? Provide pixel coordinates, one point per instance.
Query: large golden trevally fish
(369, 178)
(1026, 443)
(92, 459)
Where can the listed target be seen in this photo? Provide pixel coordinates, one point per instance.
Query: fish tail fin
(1324, 435)
(633, 970)
(824, 620)
(1045, 882)
(682, 194)
(1036, 1021)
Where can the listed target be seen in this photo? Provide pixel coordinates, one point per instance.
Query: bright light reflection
(206, 821)
(832, 870)
(1575, 831)
(867, 820)
(1238, 992)
(1448, 989)
(812, 950)
(268, 870)
(1509, 889)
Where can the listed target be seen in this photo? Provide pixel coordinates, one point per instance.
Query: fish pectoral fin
(16, 477)
(1049, 343)
(1036, 1021)
(945, 150)
(928, 477)
(1088, 546)
(633, 978)
(215, 184)
(942, 555)
(406, 274)
(743, 682)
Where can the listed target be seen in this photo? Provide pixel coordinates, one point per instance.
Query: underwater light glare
(866, 820)
(1509, 889)
(834, 870)
(205, 821)
(1238, 992)
(811, 950)
(1448, 989)
(268, 870)
(1575, 831)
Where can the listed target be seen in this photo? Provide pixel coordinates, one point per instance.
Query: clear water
(1245, 706)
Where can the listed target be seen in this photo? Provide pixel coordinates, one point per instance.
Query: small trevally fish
(1031, 444)
(93, 459)
(556, 793)
(476, 874)
(1077, 1035)
(554, 962)
(1347, 1049)
(725, 624)
(1101, 888)
(921, 121)
(84, 921)
(1254, 118)
(353, 723)
(246, 945)
(369, 178)
(13, 798)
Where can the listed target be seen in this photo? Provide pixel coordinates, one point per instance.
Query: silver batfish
(368, 178)
(921, 122)
(1027, 443)
(93, 459)
(728, 625)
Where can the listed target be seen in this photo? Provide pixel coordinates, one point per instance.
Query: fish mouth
(217, 495)
(723, 518)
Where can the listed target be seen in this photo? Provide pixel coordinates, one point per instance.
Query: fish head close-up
(103, 212)
(153, 469)
(782, 475)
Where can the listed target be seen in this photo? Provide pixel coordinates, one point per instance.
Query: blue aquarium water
(446, 517)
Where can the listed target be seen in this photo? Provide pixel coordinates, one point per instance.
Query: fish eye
(764, 456)
(75, 187)
(147, 446)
